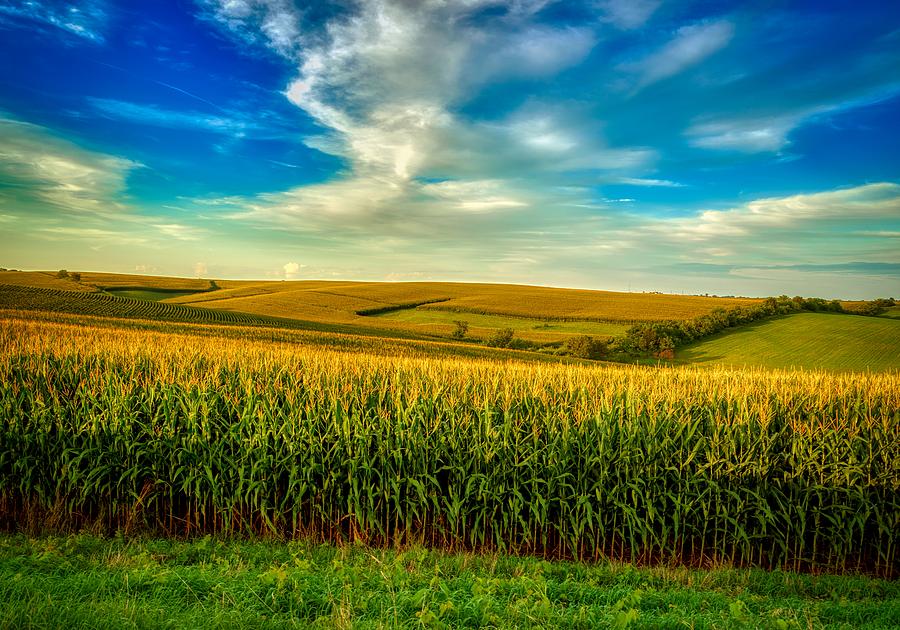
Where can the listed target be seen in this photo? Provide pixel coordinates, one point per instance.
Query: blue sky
(692, 147)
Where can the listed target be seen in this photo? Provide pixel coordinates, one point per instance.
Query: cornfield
(138, 430)
(101, 304)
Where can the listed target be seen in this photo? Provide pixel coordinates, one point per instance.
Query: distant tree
(502, 338)
(462, 327)
(62, 273)
(666, 349)
(585, 347)
(76, 276)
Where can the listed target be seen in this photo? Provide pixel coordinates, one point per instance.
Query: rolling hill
(540, 314)
(430, 309)
(810, 340)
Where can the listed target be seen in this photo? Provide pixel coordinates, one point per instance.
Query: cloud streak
(159, 117)
(689, 46)
(85, 19)
(59, 191)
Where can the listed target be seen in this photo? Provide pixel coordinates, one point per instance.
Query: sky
(745, 148)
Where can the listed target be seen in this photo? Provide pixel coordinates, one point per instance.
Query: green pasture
(429, 317)
(810, 340)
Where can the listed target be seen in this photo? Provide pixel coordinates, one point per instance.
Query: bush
(76, 276)
(502, 338)
(585, 347)
(62, 273)
(462, 328)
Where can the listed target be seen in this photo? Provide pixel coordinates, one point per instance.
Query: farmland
(537, 313)
(239, 467)
(42, 280)
(816, 340)
(555, 460)
(443, 322)
(29, 298)
(152, 295)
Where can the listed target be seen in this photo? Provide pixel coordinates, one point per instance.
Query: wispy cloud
(385, 80)
(534, 51)
(689, 46)
(628, 14)
(795, 221)
(85, 19)
(57, 173)
(770, 132)
(60, 191)
(649, 182)
(146, 114)
(275, 23)
(750, 135)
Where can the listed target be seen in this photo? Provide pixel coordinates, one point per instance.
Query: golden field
(315, 299)
(343, 302)
(201, 432)
(42, 280)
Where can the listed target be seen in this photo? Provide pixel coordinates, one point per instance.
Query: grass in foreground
(811, 340)
(88, 582)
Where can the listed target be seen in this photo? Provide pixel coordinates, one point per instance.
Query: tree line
(659, 337)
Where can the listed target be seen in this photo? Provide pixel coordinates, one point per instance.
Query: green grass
(88, 582)
(809, 340)
(429, 317)
(892, 313)
(151, 295)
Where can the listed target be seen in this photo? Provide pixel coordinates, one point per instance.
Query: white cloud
(62, 192)
(200, 269)
(879, 233)
(473, 195)
(58, 173)
(274, 22)
(156, 116)
(85, 19)
(535, 52)
(690, 45)
(628, 14)
(749, 135)
(648, 182)
(780, 220)
(291, 269)
(385, 78)
(769, 132)
(178, 231)
(94, 236)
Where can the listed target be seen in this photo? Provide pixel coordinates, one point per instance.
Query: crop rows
(101, 304)
(183, 435)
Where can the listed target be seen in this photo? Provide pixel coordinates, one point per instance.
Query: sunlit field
(812, 340)
(229, 436)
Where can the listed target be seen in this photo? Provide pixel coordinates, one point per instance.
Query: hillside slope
(809, 340)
